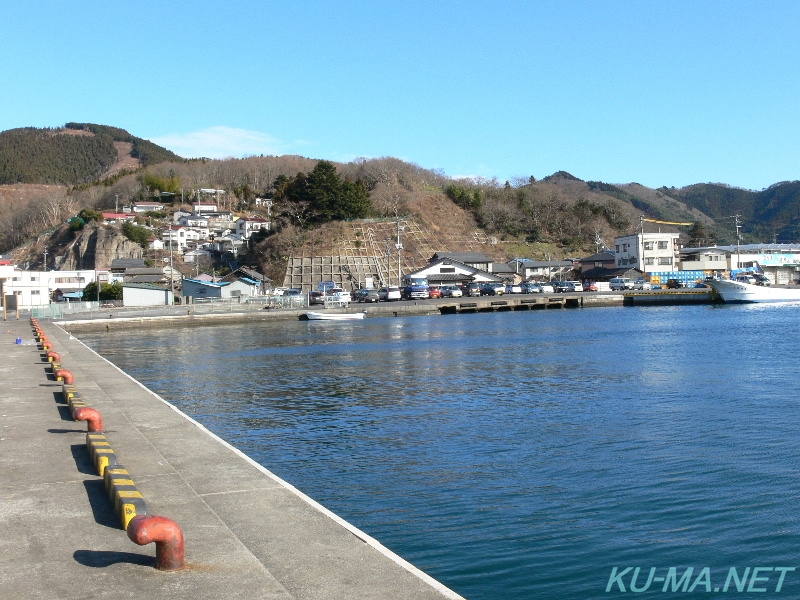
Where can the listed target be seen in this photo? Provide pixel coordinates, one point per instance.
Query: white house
(247, 226)
(446, 270)
(174, 237)
(648, 252)
(35, 288)
(143, 207)
(204, 207)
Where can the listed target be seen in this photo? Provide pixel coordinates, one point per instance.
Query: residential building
(648, 251)
(542, 270)
(448, 270)
(113, 217)
(196, 289)
(144, 207)
(477, 260)
(247, 226)
(779, 262)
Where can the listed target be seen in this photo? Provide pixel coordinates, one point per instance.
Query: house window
(34, 292)
(649, 261)
(598, 263)
(662, 245)
(665, 260)
(33, 278)
(616, 247)
(447, 270)
(648, 245)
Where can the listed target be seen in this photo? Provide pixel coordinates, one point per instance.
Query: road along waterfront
(518, 454)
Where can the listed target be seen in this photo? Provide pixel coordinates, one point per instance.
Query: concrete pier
(248, 533)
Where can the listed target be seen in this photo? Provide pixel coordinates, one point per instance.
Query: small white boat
(737, 291)
(317, 316)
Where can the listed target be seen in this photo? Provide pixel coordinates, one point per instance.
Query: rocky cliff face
(95, 247)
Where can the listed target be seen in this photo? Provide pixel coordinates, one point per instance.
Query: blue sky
(661, 93)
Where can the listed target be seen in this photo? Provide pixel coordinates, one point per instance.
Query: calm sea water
(520, 454)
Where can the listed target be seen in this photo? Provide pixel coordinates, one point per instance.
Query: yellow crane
(665, 222)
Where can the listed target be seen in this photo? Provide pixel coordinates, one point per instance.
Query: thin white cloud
(221, 142)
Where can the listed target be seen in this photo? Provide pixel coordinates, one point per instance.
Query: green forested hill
(42, 156)
(147, 152)
(69, 156)
(771, 214)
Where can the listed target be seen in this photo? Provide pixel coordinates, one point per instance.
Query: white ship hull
(734, 291)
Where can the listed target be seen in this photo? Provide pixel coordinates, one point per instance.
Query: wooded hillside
(558, 216)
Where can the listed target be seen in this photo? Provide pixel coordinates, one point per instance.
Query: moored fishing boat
(318, 316)
(737, 291)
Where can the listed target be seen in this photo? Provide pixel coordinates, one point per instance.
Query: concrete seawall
(248, 533)
(184, 316)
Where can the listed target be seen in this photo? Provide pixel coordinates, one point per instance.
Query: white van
(620, 283)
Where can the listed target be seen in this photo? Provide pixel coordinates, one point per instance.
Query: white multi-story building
(246, 226)
(648, 252)
(35, 288)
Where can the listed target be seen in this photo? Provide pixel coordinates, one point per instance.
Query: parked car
(316, 297)
(674, 284)
(492, 289)
(452, 291)
(338, 295)
(435, 292)
(547, 287)
(531, 288)
(561, 286)
(620, 283)
(513, 288)
(590, 287)
(293, 292)
(472, 289)
(642, 284)
(577, 286)
(389, 293)
(763, 279)
(367, 295)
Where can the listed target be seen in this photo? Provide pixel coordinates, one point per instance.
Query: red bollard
(47, 346)
(92, 415)
(170, 551)
(69, 379)
(53, 356)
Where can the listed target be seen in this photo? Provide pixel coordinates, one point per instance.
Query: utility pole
(399, 247)
(171, 284)
(45, 258)
(738, 239)
(116, 203)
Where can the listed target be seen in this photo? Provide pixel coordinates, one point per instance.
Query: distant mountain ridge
(76, 154)
(49, 175)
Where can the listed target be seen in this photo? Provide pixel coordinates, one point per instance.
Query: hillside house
(247, 226)
(145, 207)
